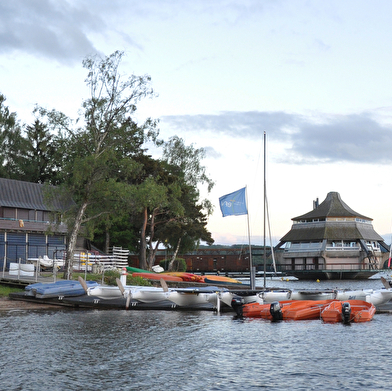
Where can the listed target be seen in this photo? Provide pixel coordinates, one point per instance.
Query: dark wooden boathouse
(30, 222)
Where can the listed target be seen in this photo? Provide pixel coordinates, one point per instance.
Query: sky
(315, 76)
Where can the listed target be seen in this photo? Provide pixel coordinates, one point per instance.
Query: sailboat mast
(264, 203)
(251, 269)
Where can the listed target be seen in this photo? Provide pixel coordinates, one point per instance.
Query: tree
(11, 142)
(189, 229)
(169, 201)
(103, 145)
(40, 159)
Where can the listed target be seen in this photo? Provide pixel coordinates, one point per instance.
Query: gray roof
(349, 231)
(27, 195)
(332, 206)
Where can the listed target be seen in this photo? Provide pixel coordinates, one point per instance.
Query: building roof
(332, 206)
(348, 231)
(316, 226)
(27, 195)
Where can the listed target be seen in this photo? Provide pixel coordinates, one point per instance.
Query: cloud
(49, 28)
(357, 138)
(211, 152)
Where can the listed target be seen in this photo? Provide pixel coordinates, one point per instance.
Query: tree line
(121, 195)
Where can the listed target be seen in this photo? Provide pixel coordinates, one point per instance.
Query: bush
(110, 277)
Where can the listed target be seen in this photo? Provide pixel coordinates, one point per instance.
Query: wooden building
(30, 222)
(332, 242)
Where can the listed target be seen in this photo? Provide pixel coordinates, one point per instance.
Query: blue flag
(233, 204)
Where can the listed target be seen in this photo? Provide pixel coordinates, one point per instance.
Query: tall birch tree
(102, 142)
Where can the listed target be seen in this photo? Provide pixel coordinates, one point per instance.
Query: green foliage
(138, 281)
(179, 264)
(121, 195)
(6, 290)
(110, 277)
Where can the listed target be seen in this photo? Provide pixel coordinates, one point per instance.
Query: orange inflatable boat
(284, 310)
(348, 311)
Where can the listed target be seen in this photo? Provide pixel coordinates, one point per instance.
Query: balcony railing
(329, 267)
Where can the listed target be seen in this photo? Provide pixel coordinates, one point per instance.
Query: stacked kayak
(182, 276)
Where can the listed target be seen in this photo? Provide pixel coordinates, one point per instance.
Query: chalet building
(27, 227)
(331, 242)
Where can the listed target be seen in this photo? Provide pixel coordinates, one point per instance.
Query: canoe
(137, 270)
(157, 276)
(348, 311)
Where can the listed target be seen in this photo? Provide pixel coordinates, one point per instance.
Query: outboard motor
(237, 302)
(276, 311)
(346, 312)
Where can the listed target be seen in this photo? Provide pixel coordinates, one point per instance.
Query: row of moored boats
(332, 306)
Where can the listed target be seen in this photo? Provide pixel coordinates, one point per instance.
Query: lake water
(168, 350)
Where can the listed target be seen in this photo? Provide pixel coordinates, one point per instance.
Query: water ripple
(163, 350)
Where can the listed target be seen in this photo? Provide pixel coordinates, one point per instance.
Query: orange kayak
(220, 280)
(348, 311)
(157, 276)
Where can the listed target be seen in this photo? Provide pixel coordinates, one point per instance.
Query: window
(23, 214)
(9, 213)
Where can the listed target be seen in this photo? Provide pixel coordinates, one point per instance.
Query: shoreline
(7, 304)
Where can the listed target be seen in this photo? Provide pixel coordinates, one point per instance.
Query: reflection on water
(167, 350)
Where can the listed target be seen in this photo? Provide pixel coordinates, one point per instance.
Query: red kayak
(157, 276)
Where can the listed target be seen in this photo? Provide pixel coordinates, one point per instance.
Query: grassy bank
(6, 290)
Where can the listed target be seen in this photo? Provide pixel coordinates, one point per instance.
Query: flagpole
(265, 185)
(251, 274)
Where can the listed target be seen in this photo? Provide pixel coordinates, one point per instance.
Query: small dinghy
(348, 311)
(283, 310)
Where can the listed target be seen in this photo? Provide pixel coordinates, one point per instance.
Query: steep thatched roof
(332, 206)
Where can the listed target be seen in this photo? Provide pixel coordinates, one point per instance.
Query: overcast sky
(314, 75)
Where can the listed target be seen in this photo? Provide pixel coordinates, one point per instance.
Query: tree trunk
(72, 242)
(170, 267)
(152, 250)
(107, 240)
(142, 253)
(152, 254)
